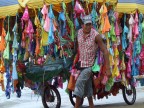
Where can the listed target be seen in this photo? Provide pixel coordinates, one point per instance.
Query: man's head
(87, 20)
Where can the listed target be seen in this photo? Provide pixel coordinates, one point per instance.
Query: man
(88, 40)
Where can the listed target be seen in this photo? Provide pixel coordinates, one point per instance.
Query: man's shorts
(83, 87)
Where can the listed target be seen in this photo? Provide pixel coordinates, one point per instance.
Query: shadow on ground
(119, 105)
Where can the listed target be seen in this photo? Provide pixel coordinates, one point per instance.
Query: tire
(72, 97)
(54, 96)
(130, 91)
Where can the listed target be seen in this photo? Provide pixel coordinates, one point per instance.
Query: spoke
(129, 96)
(54, 103)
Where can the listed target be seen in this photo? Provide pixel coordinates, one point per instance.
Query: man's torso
(87, 48)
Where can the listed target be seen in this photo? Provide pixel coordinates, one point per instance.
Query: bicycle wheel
(72, 98)
(129, 94)
(51, 97)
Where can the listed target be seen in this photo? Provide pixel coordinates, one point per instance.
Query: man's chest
(86, 42)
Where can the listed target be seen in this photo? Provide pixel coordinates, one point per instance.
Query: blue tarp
(131, 1)
(8, 2)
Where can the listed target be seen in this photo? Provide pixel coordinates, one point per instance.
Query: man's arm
(103, 48)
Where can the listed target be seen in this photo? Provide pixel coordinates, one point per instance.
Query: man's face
(87, 27)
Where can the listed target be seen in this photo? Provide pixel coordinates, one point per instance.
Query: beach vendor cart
(37, 42)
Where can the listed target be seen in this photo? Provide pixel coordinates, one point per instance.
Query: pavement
(30, 100)
(118, 102)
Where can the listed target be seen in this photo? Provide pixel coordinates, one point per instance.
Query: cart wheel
(51, 97)
(129, 94)
(73, 98)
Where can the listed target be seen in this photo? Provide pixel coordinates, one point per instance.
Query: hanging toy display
(6, 56)
(94, 15)
(14, 69)
(2, 47)
(79, 12)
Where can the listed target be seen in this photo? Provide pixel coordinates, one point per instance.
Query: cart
(128, 92)
(43, 76)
